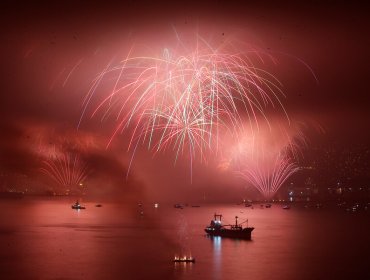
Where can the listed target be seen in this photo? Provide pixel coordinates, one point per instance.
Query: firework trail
(70, 73)
(184, 98)
(65, 169)
(268, 158)
(267, 176)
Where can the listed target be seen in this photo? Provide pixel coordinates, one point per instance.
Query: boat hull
(78, 207)
(184, 261)
(245, 233)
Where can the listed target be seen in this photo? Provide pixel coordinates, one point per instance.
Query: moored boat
(77, 206)
(233, 231)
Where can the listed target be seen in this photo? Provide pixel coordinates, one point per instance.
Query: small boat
(180, 206)
(195, 206)
(184, 260)
(248, 205)
(78, 206)
(268, 205)
(286, 207)
(98, 205)
(233, 231)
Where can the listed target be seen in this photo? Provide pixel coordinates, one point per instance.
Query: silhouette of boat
(78, 206)
(233, 231)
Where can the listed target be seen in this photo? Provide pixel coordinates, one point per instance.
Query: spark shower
(184, 98)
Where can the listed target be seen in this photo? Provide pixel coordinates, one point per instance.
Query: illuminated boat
(184, 260)
(233, 231)
(78, 206)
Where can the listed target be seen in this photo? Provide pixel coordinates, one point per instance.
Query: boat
(184, 260)
(286, 207)
(268, 205)
(180, 206)
(98, 205)
(233, 231)
(78, 206)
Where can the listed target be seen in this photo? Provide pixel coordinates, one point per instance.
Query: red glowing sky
(50, 54)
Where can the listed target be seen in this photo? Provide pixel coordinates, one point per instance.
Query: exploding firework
(268, 158)
(184, 98)
(267, 176)
(66, 170)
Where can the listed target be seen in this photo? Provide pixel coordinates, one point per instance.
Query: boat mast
(219, 216)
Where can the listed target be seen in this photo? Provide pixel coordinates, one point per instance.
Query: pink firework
(66, 170)
(184, 98)
(267, 176)
(267, 158)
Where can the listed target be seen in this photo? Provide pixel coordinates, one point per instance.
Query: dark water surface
(46, 239)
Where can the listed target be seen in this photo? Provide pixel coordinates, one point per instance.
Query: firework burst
(267, 176)
(66, 170)
(184, 98)
(268, 158)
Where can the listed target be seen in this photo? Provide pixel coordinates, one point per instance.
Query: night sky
(52, 52)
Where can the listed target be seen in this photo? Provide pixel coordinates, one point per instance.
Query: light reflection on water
(46, 239)
(217, 256)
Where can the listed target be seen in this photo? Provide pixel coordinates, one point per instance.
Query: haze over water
(44, 238)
